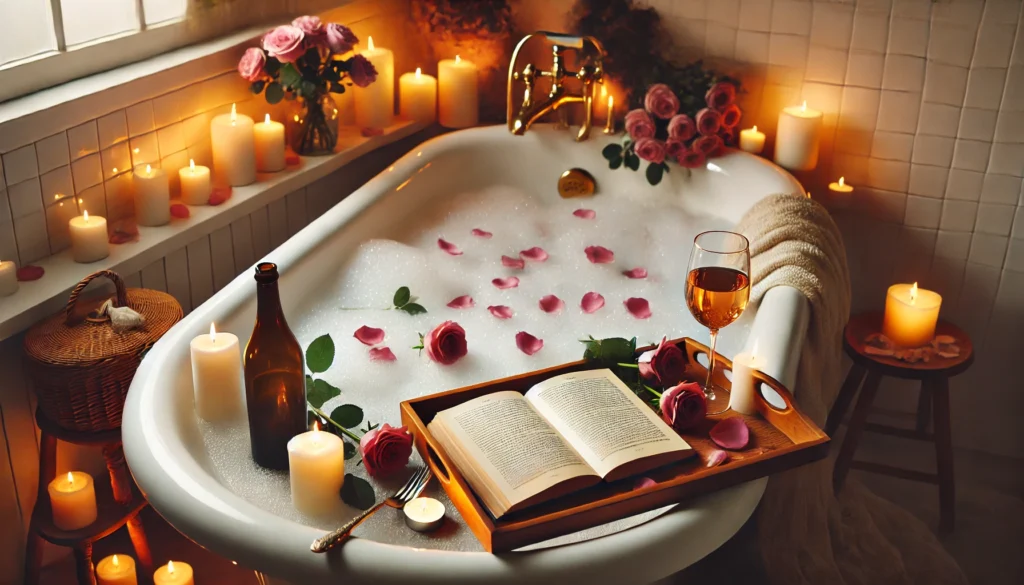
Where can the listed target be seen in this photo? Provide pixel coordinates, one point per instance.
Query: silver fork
(407, 492)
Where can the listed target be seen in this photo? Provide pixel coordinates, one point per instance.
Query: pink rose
(691, 159)
(385, 449)
(650, 149)
(250, 67)
(674, 147)
(661, 101)
(683, 406)
(708, 122)
(446, 343)
(312, 29)
(682, 127)
(340, 38)
(663, 365)
(731, 116)
(707, 145)
(721, 95)
(285, 43)
(361, 71)
(639, 124)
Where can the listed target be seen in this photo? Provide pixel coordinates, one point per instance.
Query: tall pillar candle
(72, 500)
(269, 136)
(234, 148)
(375, 103)
(8, 278)
(116, 570)
(89, 240)
(459, 100)
(316, 468)
(195, 184)
(797, 138)
(152, 196)
(217, 375)
(743, 396)
(910, 315)
(417, 97)
(174, 573)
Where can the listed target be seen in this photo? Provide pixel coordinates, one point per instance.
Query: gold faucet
(590, 72)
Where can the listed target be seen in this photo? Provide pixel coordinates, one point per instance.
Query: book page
(603, 419)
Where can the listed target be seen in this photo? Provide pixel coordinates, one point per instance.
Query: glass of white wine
(717, 291)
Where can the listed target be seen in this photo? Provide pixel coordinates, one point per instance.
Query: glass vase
(313, 125)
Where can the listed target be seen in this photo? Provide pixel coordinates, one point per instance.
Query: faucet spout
(531, 112)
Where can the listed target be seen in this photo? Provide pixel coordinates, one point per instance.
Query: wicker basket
(81, 369)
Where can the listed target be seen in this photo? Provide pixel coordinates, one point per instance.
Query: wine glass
(717, 291)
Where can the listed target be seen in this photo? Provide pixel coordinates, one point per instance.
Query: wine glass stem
(709, 388)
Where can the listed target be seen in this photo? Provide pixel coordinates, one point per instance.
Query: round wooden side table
(933, 403)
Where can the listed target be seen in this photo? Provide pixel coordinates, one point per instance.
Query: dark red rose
(663, 365)
(683, 406)
(385, 449)
(446, 343)
(361, 71)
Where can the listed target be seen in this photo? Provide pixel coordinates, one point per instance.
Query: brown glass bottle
(275, 386)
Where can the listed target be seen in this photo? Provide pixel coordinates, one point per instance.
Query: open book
(567, 433)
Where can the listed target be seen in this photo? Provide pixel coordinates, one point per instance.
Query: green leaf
(357, 492)
(402, 296)
(347, 415)
(309, 383)
(350, 450)
(654, 173)
(633, 161)
(612, 151)
(615, 163)
(257, 86)
(275, 93)
(308, 89)
(290, 76)
(611, 350)
(320, 354)
(321, 393)
(413, 309)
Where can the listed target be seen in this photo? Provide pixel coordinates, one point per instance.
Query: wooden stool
(933, 402)
(117, 503)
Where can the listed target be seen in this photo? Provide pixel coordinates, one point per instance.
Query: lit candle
(375, 103)
(8, 278)
(742, 397)
(418, 97)
(269, 145)
(174, 573)
(89, 241)
(423, 514)
(72, 500)
(152, 196)
(840, 186)
(234, 148)
(910, 315)
(797, 138)
(316, 468)
(752, 140)
(609, 123)
(457, 86)
(195, 183)
(217, 375)
(116, 570)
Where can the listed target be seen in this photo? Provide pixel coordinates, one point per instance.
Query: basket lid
(68, 338)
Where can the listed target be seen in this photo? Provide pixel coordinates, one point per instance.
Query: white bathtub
(165, 446)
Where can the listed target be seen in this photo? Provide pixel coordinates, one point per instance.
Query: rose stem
(629, 366)
(652, 391)
(321, 414)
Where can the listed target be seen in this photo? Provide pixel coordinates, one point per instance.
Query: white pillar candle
(910, 315)
(234, 148)
(743, 396)
(89, 240)
(316, 468)
(752, 140)
(797, 138)
(116, 570)
(195, 184)
(174, 573)
(375, 103)
(423, 514)
(152, 196)
(8, 278)
(72, 500)
(418, 96)
(217, 375)
(269, 136)
(459, 102)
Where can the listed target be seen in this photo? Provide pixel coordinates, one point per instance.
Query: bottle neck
(268, 304)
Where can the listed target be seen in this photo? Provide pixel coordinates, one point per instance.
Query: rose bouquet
(302, 62)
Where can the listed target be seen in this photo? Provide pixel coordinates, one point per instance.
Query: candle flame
(458, 59)
(418, 73)
(114, 561)
(803, 108)
(755, 128)
(85, 215)
(234, 112)
(316, 426)
(170, 566)
(369, 42)
(913, 293)
(213, 333)
(842, 181)
(266, 119)
(149, 169)
(192, 165)
(71, 478)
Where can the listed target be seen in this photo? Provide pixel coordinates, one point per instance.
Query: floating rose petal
(501, 311)
(180, 211)
(716, 458)
(638, 307)
(535, 253)
(122, 237)
(481, 233)
(463, 302)
(513, 262)
(382, 354)
(635, 273)
(731, 433)
(527, 343)
(551, 304)
(643, 482)
(585, 213)
(599, 254)
(30, 272)
(448, 247)
(592, 302)
(369, 335)
(510, 282)
(219, 195)
(292, 159)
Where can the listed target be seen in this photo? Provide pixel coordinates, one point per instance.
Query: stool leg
(47, 471)
(924, 408)
(845, 397)
(944, 452)
(857, 420)
(120, 482)
(83, 564)
(140, 543)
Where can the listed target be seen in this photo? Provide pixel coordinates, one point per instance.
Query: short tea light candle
(424, 514)
(72, 500)
(8, 278)
(234, 148)
(797, 138)
(89, 241)
(752, 140)
(840, 186)
(910, 315)
(116, 570)
(195, 184)
(316, 469)
(217, 375)
(459, 100)
(742, 397)
(418, 97)
(269, 136)
(152, 196)
(174, 573)
(375, 103)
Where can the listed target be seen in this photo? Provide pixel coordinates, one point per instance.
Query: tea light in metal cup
(424, 514)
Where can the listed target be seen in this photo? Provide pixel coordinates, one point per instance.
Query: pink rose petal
(585, 213)
(463, 302)
(29, 272)
(535, 253)
(501, 311)
(513, 262)
(369, 335)
(448, 247)
(551, 304)
(510, 282)
(481, 233)
(180, 211)
(731, 433)
(638, 307)
(382, 354)
(716, 458)
(592, 302)
(599, 254)
(635, 273)
(527, 343)
(643, 482)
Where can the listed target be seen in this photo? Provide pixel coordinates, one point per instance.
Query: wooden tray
(780, 439)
